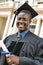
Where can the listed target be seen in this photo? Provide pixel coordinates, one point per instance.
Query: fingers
(9, 61)
(12, 59)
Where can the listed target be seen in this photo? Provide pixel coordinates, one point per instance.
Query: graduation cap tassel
(14, 19)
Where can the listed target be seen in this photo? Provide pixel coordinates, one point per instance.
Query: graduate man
(27, 48)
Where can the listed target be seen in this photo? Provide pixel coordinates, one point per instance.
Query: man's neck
(23, 30)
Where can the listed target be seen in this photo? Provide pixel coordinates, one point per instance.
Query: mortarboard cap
(26, 7)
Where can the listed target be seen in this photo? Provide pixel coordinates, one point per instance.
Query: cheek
(17, 24)
(26, 23)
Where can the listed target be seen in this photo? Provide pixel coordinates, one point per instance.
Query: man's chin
(21, 30)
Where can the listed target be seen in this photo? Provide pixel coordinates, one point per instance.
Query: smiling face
(23, 21)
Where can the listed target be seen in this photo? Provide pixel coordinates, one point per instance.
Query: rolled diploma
(3, 46)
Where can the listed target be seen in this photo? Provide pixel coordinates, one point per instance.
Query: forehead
(23, 14)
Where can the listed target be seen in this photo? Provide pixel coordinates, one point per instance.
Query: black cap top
(27, 7)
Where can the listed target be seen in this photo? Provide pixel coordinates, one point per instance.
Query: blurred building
(7, 8)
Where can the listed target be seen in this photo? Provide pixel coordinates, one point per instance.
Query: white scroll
(2, 45)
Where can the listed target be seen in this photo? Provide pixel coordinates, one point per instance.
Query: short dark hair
(28, 12)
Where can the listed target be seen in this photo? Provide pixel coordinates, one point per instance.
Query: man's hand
(12, 60)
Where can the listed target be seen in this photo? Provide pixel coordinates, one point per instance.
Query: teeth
(21, 25)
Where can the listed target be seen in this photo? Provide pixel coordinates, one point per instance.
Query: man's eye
(19, 18)
(24, 19)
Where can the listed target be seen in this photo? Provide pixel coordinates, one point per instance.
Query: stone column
(41, 31)
(38, 26)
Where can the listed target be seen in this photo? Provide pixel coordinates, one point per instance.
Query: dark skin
(23, 21)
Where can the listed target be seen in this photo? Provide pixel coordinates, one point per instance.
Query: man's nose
(21, 20)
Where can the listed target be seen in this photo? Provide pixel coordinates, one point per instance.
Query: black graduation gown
(31, 51)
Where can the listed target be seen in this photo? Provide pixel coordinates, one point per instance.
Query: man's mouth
(21, 25)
